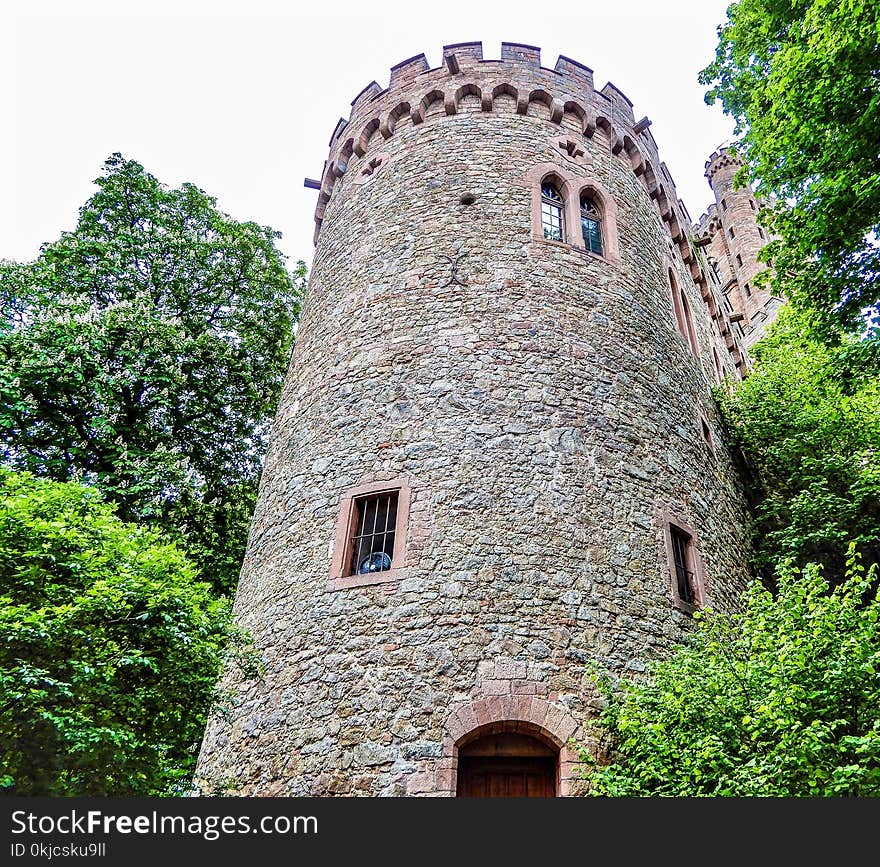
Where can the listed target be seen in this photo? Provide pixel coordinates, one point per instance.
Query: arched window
(591, 225)
(682, 314)
(552, 207)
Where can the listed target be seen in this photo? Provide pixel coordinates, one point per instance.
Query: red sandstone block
(553, 716)
(483, 713)
(524, 687)
(496, 687)
(445, 780)
(468, 718)
(496, 706)
(456, 727)
(567, 728)
(511, 707)
(419, 782)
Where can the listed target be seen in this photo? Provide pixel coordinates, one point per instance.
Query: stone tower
(496, 461)
(732, 239)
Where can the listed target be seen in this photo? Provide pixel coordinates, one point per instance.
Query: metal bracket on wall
(454, 265)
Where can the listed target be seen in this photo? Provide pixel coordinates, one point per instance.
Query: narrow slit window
(591, 225)
(723, 205)
(551, 213)
(731, 232)
(706, 431)
(748, 291)
(752, 204)
(761, 233)
(373, 541)
(682, 561)
(682, 312)
(739, 260)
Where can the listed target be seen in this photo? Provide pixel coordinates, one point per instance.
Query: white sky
(241, 97)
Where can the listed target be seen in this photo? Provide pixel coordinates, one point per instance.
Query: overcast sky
(241, 98)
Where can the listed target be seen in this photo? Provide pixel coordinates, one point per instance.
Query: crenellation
(404, 72)
(467, 53)
(370, 92)
(578, 73)
(341, 124)
(515, 52)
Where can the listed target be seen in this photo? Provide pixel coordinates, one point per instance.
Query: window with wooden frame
(591, 225)
(370, 542)
(552, 212)
(685, 566)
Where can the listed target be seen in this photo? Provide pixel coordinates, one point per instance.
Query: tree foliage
(802, 80)
(144, 352)
(780, 699)
(109, 647)
(808, 421)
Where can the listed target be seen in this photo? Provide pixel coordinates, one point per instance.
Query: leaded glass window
(591, 226)
(551, 213)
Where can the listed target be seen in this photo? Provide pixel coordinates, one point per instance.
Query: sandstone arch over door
(535, 721)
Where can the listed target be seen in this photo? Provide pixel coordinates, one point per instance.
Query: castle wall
(538, 404)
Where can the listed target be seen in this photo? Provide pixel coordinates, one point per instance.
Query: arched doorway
(498, 761)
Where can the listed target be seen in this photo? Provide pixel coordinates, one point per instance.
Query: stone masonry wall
(546, 416)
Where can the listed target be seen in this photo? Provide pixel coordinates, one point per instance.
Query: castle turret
(496, 461)
(735, 241)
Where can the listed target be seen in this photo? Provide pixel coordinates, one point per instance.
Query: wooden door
(507, 764)
(506, 777)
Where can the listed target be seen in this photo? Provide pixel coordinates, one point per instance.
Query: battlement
(720, 159)
(517, 60)
(517, 83)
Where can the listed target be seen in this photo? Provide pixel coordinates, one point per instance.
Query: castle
(496, 461)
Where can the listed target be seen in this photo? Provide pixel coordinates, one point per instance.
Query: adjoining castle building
(496, 462)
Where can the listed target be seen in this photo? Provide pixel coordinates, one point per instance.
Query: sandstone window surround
(552, 208)
(687, 579)
(706, 432)
(372, 522)
(719, 371)
(573, 191)
(683, 319)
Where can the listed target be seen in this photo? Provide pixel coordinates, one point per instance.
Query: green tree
(109, 647)
(802, 80)
(144, 352)
(807, 420)
(780, 699)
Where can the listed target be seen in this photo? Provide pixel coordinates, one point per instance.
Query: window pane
(684, 576)
(551, 218)
(551, 213)
(548, 191)
(373, 543)
(592, 234)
